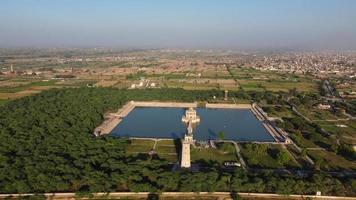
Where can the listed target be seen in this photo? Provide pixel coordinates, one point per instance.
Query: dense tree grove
(47, 145)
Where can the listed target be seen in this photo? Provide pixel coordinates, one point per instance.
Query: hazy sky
(231, 24)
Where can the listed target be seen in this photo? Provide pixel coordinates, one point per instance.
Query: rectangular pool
(159, 122)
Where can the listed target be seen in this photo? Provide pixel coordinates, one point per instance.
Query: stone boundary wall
(113, 119)
(73, 196)
(164, 104)
(231, 106)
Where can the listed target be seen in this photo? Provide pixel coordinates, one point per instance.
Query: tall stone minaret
(11, 69)
(188, 139)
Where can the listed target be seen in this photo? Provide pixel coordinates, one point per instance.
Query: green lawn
(165, 142)
(210, 154)
(139, 146)
(265, 156)
(166, 149)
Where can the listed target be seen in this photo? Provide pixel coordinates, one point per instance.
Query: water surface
(237, 124)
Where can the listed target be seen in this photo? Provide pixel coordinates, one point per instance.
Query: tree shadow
(174, 135)
(273, 152)
(234, 195)
(178, 147)
(152, 196)
(213, 134)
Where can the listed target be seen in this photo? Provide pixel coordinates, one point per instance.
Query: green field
(167, 149)
(254, 80)
(276, 85)
(314, 113)
(266, 156)
(331, 161)
(26, 86)
(348, 132)
(278, 112)
(219, 154)
(139, 146)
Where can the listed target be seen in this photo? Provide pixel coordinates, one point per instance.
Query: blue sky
(230, 24)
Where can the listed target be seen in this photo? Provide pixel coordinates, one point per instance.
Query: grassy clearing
(251, 79)
(278, 112)
(165, 142)
(316, 114)
(166, 149)
(219, 154)
(142, 142)
(7, 96)
(331, 127)
(267, 156)
(192, 86)
(19, 88)
(275, 85)
(331, 161)
(139, 146)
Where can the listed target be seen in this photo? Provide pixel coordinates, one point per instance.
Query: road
(180, 195)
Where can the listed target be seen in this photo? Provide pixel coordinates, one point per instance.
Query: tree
(304, 152)
(221, 135)
(283, 157)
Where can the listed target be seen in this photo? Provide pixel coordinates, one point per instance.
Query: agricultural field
(17, 88)
(106, 83)
(191, 86)
(253, 80)
(275, 85)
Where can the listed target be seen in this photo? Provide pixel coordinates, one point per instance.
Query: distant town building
(12, 69)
